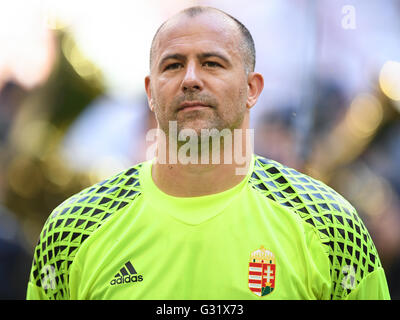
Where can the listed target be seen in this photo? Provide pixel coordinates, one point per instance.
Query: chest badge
(262, 272)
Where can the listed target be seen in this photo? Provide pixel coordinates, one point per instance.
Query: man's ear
(148, 92)
(255, 83)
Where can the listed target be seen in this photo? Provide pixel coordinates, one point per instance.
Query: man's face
(198, 76)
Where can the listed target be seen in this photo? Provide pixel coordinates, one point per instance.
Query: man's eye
(173, 66)
(211, 64)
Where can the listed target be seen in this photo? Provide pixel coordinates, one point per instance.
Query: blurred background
(73, 109)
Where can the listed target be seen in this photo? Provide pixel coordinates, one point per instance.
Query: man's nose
(192, 80)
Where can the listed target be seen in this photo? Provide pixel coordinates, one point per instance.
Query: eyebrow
(214, 54)
(174, 56)
(181, 57)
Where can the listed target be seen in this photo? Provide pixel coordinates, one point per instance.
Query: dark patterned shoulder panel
(350, 249)
(72, 222)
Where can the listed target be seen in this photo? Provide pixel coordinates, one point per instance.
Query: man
(192, 227)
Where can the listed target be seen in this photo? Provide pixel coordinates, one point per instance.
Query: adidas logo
(127, 274)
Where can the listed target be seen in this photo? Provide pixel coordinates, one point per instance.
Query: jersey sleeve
(372, 287)
(68, 227)
(36, 293)
(355, 268)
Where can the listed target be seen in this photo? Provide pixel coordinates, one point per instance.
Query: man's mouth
(192, 105)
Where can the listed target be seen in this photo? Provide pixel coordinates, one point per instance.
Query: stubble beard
(216, 117)
(200, 127)
(198, 121)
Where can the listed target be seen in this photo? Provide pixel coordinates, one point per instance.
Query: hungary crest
(262, 272)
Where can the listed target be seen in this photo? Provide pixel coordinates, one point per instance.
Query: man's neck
(193, 180)
(204, 177)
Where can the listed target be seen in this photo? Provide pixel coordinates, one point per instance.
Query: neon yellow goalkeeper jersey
(279, 234)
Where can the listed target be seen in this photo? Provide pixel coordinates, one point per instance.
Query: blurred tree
(36, 178)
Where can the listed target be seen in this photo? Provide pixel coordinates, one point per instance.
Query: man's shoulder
(102, 199)
(75, 220)
(340, 229)
(292, 188)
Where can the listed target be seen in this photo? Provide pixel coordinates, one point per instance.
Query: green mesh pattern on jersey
(71, 223)
(351, 251)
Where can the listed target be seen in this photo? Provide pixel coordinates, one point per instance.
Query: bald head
(246, 44)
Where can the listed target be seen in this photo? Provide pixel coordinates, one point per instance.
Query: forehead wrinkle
(227, 55)
(230, 36)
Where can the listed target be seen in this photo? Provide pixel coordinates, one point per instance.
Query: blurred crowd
(328, 110)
